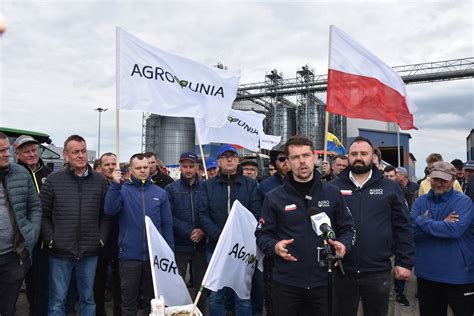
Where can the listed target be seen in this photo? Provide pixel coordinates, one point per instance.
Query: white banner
(152, 80)
(236, 255)
(242, 128)
(166, 279)
(269, 141)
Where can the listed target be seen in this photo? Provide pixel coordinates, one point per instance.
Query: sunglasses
(281, 159)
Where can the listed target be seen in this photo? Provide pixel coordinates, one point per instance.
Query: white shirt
(357, 184)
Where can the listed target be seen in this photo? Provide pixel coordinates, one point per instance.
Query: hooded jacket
(216, 200)
(183, 201)
(286, 214)
(444, 250)
(381, 220)
(132, 200)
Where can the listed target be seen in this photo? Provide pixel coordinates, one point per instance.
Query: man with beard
(382, 223)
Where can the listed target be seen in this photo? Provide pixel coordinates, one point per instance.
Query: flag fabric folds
(335, 145)
(269, 141)
(360, 85)
(152, 80)
(166, 279)
(236, 254)
(243, 128)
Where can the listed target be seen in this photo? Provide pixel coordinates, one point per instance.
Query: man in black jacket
(382, 224)
(285, 229)
(158, 177)
(73, 226)
(27, 155)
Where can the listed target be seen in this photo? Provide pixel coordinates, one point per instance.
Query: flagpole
(213, 260)
(200, 149)
(326, 121)
(117, 95)
(153, 273)
(398, 144)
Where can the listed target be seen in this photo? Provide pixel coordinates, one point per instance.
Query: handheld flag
(152, 80)
(236, 254)
(335, 145)
(166, 279)
(360, 85)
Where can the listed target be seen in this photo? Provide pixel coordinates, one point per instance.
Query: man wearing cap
(20, 222)
(443, 229)
(27, 155)
(212, 167)
(402, 177)
(468, 175)
(425, 185)
(189, 239)
(158, 177)
(214, 204)
(250, 168)
(132, 201)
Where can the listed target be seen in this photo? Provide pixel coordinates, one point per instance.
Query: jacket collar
(376, 176)
(134, 181)
(440, 198)
(186, 181)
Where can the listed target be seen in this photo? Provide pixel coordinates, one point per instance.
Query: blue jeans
(60, 272)
(216, 301)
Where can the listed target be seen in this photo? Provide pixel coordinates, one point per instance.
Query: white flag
(166, 279)
(269, 141)
(152, 80)
(236, 255)
(242, 128)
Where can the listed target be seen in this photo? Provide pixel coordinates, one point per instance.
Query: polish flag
(360, 85)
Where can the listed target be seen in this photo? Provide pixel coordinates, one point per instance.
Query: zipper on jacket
(144, 224)
(192, 209)
(79, 183)
(359, 230)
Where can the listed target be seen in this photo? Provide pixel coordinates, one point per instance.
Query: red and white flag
(360, 85)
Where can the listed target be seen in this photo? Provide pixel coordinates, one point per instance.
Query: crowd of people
(77, 234)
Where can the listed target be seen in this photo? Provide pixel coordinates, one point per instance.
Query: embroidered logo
(324, 203)
(376, 191)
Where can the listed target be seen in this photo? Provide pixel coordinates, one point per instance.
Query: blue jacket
(132, 200)
(216, 199)
(382, 224)
(183, 201)
(279, 222)
(444, 251)
(269, 184)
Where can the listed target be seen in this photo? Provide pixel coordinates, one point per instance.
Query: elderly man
(214, 204)
(74, 226)
(338, 165)
(383, 227)
(443, 229)
(250, 168)
(20, 220)
(27, 155)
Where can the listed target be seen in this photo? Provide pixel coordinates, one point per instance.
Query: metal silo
(168, 137)
(310, 121)
(282, 122)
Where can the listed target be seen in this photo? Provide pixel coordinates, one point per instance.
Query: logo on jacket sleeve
(156, 199)
(376, 191)
(324, 203)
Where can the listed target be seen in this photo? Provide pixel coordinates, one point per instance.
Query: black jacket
(286, 215)
(73, 216)
(39, 175)
(161, 179)
(381, 219)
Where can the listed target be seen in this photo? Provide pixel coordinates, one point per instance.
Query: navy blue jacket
(444, 250)
(215, 202)
(183, 201)
(269, 184)
(381, 219)
(286, 215)
(132, 200)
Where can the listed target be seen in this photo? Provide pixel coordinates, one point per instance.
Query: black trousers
(12, 273)
(268, 264)
(294, 301)
(434, 298)
(135, 276)
(99, 285)
(372, 288)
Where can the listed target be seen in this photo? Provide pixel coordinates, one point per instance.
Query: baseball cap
(469, 165)
(23, 139)
(226, 148)
(188, 156)
(401, 170)
(443, 170)
(211, 163)
(249, 162)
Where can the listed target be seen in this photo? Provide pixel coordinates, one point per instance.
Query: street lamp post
(100, 110)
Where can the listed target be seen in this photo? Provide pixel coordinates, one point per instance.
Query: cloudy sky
(57, 58)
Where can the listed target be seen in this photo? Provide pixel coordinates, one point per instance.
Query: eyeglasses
(281, 159)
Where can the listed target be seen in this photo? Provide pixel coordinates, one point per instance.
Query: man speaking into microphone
(285, 229)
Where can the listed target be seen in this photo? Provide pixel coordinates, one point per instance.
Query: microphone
(322, 226)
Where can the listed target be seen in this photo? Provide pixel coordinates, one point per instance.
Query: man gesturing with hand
(299, 283)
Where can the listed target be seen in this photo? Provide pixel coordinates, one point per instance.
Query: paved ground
(395, 309)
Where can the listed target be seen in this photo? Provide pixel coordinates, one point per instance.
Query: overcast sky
(57, 58)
